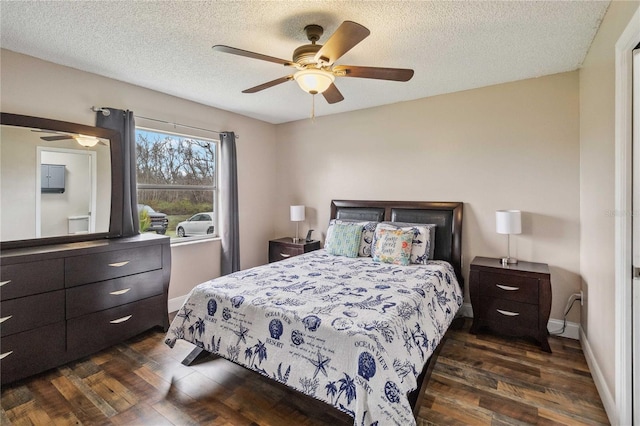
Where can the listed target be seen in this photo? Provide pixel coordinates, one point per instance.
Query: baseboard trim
(606, 396)
(571, 331)
(176, 303)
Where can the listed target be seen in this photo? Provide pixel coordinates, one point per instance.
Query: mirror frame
(117, 187)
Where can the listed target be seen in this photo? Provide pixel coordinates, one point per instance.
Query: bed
(358, 334)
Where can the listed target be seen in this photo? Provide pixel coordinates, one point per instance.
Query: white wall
(510, 146)
(34, 87)
(597, 188)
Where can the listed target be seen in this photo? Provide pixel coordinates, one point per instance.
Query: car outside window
(177, 184)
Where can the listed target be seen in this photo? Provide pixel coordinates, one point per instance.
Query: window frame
(214, 188)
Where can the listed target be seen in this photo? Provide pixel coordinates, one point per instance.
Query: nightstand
(514, 300)
(283, 248)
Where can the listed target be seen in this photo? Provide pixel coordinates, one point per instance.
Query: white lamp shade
(297, 213)
(314, 80)
(508, 222)
(87, 141)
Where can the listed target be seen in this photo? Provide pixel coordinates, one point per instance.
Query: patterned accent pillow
(368, 229)
(423, 243)
(344, 239)
(392, 245)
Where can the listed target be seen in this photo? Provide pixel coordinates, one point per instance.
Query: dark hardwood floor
(480, 379)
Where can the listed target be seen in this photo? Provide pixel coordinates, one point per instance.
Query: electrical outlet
(581, 298)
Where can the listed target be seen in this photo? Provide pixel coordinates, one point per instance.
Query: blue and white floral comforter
(348, 331)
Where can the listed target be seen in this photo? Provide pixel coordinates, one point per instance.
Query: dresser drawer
(507, 314)
(90, 333)
(26, 313)
(86, 299)
(509, 286)
(112, 264)
(31, 352)
(23, 279)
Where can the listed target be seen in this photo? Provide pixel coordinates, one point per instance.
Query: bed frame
(447, 216)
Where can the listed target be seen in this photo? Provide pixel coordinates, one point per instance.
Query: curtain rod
(106, 112)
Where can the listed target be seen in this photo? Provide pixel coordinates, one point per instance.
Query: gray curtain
(123, 122)
(229, 200)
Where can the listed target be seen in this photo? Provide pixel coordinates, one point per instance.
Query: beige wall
(597, 188)
(34, 87)
(511, 146)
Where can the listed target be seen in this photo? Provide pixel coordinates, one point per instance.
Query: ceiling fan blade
(55, 138)
(332, 94)
(395, 74)
(268, 84)
(344, 39)
(246, 53)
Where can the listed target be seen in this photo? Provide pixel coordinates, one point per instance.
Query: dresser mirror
(59, 182)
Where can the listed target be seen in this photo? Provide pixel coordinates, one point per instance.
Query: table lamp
(508, 222)
(297, 216)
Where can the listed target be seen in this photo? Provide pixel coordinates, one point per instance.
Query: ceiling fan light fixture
(86, 141)
(314, 80)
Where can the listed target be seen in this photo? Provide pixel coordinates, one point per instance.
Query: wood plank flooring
(478, 379)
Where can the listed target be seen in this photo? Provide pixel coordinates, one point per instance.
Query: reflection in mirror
(53, 183)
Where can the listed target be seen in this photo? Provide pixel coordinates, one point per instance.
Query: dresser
(283, 248)
(62, 302)
(513, 300)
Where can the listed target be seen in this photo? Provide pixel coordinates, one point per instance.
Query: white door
(636, 237)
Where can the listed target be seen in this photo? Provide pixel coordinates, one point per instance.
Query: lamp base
(296, 239)
(508, 261)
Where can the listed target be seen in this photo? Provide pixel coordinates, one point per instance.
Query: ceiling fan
(84, 140)
(315, 63)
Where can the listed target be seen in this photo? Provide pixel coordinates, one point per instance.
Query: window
(177, 177)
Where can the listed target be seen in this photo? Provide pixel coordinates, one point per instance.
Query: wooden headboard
(447, 216)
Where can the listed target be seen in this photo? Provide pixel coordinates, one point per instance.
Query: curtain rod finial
(104, 111)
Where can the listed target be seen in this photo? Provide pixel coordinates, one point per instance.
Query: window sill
(176, 242)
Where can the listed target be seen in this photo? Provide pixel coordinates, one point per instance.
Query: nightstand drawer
(510, 287)
(283, 252)
(508, 314)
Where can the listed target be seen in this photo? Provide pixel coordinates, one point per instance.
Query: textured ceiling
(166, 46)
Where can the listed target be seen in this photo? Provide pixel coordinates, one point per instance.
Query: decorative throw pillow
(368, 229)
(392, 245)
(423, 243)
(344, 239)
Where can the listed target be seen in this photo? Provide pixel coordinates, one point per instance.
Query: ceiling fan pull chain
(313, 108)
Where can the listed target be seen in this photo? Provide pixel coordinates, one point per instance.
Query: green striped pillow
(344, 239)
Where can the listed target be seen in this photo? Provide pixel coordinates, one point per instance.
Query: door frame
(94, 183)
(623, 225)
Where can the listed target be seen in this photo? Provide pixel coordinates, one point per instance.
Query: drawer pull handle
(119, 292)
(119, 264)
(285, 255)
(6, 354)
(508, 313)
(507, 288)
(120, 320)
(4, 282)
(5, 318)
